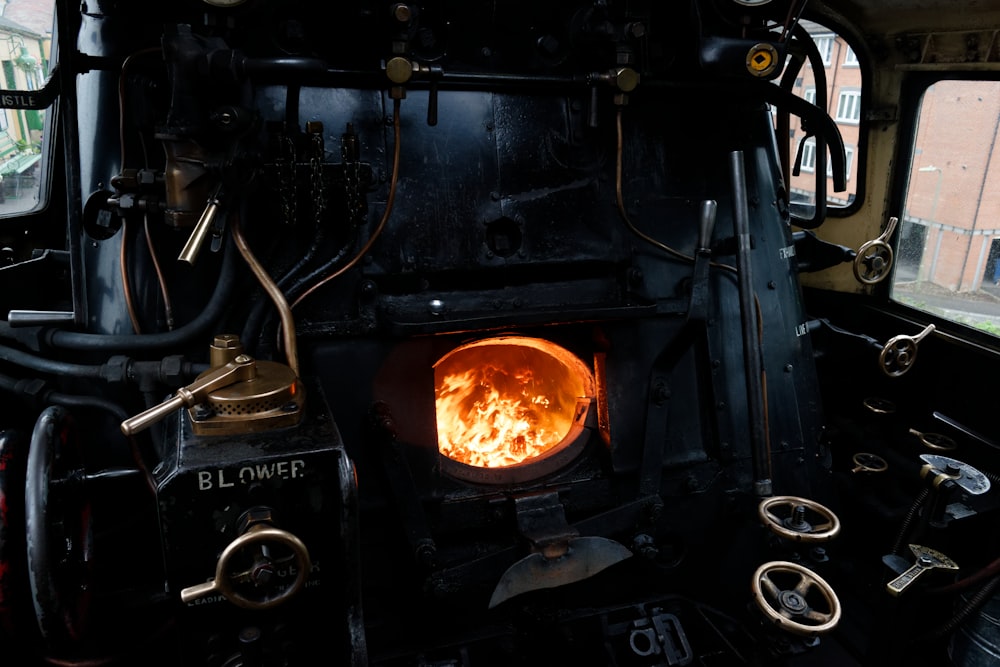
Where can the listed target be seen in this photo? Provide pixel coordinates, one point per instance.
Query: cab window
(948, 249)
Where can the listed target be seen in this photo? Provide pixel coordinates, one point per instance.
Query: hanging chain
(286, 180)
(349, 154)
(316, 172)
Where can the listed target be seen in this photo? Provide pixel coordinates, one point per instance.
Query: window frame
(913, 87)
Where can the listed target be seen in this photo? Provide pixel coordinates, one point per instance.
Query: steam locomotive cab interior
(596, 332)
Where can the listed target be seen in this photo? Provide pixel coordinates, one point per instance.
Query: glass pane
(25, 65)
(948, 254)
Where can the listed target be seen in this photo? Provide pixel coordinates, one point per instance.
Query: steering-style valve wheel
(795, 598)
(936, 441)
(246, 572)
(59, 528)
(868, 462)
(796, 519)
(900, 352)
(874, 258)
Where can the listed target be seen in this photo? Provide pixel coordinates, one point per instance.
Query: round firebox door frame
(556, 457)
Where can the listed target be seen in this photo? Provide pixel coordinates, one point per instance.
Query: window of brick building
(848, 106)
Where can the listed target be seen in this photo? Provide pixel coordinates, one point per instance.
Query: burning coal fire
(504, 401)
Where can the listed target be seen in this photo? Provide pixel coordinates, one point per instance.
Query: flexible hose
(908, 519)
(290, 284)
(990, 570)
(43, 365)
(394, 180)
(971, 606)
(75, 340)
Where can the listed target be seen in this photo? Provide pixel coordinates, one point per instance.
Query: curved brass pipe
(287, 321)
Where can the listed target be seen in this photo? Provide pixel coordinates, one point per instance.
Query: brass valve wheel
(788, 594)
(867, 462)
(794, 518)
(879, 406)
(251, 588)
(936, 441)
(874, 258)
(900, 352)
(873, 261)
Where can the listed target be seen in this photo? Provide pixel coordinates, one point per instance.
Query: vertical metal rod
(751, 338)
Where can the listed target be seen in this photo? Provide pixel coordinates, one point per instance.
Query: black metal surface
(504, 220)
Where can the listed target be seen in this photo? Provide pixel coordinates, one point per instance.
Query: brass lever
(193, 246)
(239, 369)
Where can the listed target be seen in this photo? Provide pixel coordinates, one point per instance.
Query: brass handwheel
(788, 593)
(935, 441)
(227, 582)
(879, 406)
(873, 260)
(900, 352)
(867, 462)
(796, 519)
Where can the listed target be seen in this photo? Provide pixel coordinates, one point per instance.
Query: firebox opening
(510, 401)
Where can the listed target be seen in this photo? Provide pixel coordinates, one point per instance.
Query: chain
(316, 168)
(286, 180)
(352, 174)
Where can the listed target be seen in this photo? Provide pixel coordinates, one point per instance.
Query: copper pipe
(287, 321)
(385, 215)
(149, 243)
(126, 285)
(620, 199)
(168, 309)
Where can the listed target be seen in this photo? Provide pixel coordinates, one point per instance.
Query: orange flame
(504, 401)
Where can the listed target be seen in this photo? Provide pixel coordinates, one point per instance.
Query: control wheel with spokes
(246, 573)
(795, 598)
(798, 519)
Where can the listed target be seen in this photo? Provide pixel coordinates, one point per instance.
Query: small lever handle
(193, 246)
(260, 537)
(926, 559)
(706, 223)
(239, 369)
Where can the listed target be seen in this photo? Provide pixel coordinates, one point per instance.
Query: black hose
(295, 289)
(9, 384)
(908, 519)
(77, 401)
(17, 386)
(43, 365)
(260, 315)
(199, 325)
(972, 605)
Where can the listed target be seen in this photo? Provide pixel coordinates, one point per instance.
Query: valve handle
(900, 352)
(242, 368)
(925, 559)
(193, 246)
(224, 581)
(874, 258)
